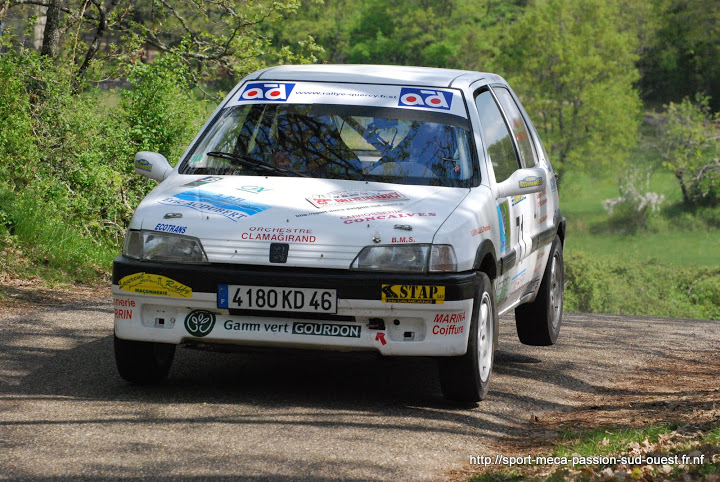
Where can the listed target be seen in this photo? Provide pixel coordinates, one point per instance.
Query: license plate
(267, 298)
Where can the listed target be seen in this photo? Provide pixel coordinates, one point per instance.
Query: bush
(73, 152)
(626, 286)
(632, 210)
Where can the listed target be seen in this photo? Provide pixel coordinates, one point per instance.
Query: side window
(500, 146)
(519, 127)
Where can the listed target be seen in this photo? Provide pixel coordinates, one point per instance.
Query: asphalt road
(65, 413)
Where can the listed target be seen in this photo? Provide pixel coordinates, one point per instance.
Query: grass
(675, 237)
(36, 241)
(654, 441)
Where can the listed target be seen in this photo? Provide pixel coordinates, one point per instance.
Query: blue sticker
(275, 91)
(503, 213)
(231, 207)
(433, 99)
(171, 228)
(222, 301)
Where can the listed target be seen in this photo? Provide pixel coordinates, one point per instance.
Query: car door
(512, 211)
(526, 206)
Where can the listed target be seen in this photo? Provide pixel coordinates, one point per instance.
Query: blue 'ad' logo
(434, 99)
(275, 91)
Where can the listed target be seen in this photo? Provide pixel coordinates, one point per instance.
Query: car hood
(325, 222)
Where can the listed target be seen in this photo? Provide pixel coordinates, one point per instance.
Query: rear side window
(499, 143)
(519, 127)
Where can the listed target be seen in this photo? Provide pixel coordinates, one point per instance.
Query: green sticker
(199, 323)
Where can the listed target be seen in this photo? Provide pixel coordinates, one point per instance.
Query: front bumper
(165, 303)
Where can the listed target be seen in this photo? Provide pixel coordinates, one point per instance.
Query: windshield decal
(207, 202)
(392, 96)
(434, 99)
(275, 92)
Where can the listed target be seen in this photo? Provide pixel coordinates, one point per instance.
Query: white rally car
(399, 210)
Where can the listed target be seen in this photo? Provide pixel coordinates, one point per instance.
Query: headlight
(154, 246)
(406, 258)
(442, 258)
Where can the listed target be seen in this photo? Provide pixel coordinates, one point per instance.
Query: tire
(143, 362)
(538, 323)
(466, 378)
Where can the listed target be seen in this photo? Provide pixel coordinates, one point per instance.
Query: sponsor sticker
(207, 202)
(449, 324)
(275, 91)
(326, 329)
(503, 213)
(392, 96)
(344, 198)
(382, 217)
(154, 284)
(199, 323)
(518, 279)
(170, 228)
(422, 294)
(281, 235)
(433, 99)
(254, 189)
(123, 308)
(402, 239)
(480, 230)
(530, 181)
(518, 199)
(503, 290)
(143, 165)
(203, 180)
(231, 325)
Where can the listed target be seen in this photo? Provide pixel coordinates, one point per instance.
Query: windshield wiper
(248, 161)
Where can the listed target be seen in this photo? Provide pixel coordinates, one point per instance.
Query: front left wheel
(538, 323)
(466, 378)
(143, 362)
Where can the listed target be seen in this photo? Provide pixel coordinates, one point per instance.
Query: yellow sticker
(154, 284)
(431, 295)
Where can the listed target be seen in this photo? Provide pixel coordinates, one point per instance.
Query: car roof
(375, 74)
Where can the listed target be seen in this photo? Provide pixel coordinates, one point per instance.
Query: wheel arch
(485, 259)
(561, 223)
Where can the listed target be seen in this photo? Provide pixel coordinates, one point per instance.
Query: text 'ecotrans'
(395, 96)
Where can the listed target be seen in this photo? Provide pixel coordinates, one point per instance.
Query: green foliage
(575, 70)
(73, 154)
(688, 140)
(682, 58)
(216, 40)
(52, 247)
(603, 284)
(448, 33)
(157, 107)
(605, 442)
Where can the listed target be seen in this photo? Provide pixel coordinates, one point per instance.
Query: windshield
(336, 142)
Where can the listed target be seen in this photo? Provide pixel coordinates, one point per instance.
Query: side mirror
(152, 165)
(523, 181)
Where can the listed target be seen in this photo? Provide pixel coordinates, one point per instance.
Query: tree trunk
(51, 35)
(679, 175)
